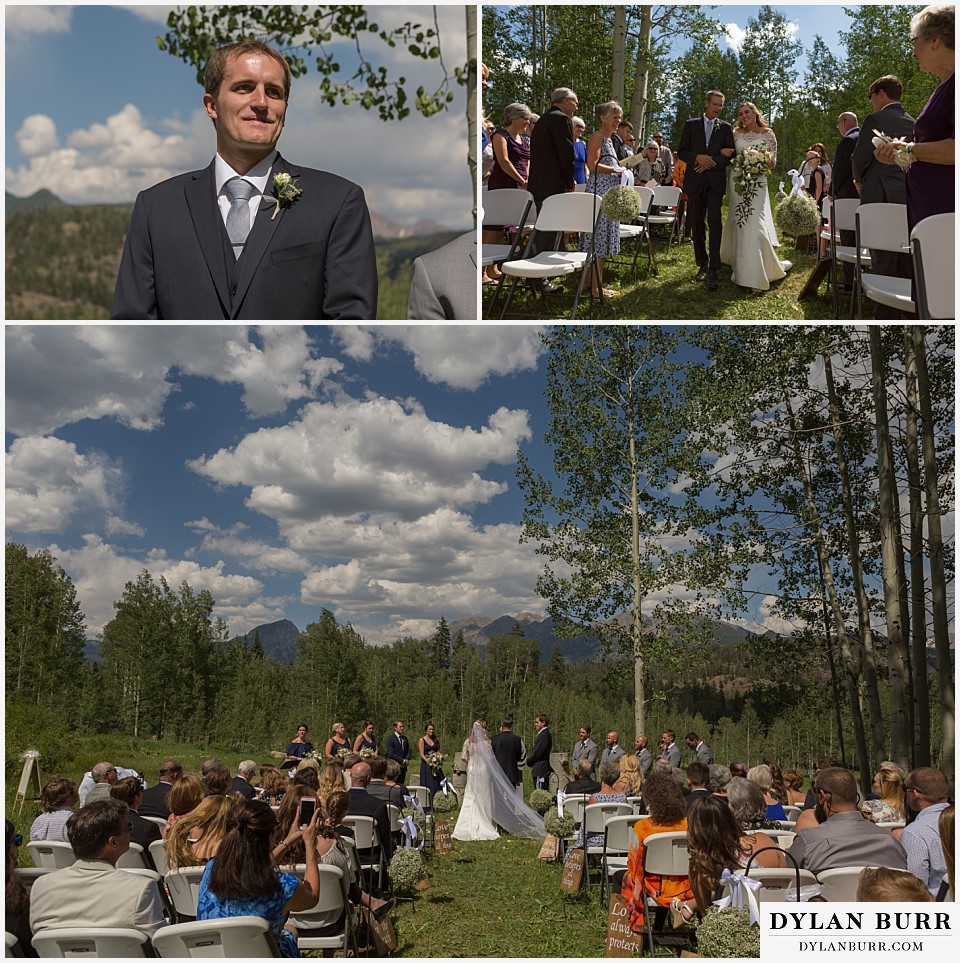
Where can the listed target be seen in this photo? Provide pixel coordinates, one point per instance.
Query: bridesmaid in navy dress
(366, 739)
(336, 742)
(428, 743)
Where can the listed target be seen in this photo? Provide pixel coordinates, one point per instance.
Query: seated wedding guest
(719, 777)
(608, 791)
(945, 826)
(651, 167)
(273, 784)
(93, 892)
(243, 780)
(930, 181)
(794, 783)
(748, 805)
(879, 884)
(823, 762)
(142, 831)
(104, 775)
(763, 777)
(217, 781)
(927, 792)
(307, 774)
(331, 780)
(631, 778)
(57, 799)
(698, 778)
(330, 850)
(664, 801)
(362, 803)
(197, 836)
(155, 798)
(843, 837)
(337, 743)
(377, 785)
(186, 794)
(779, 788)
(392, 775)
(738, 769)
(716, 842)
(18, 899)
(888, 806)
(241, 879)
(583, 781)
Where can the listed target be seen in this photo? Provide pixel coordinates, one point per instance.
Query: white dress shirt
(258, 176)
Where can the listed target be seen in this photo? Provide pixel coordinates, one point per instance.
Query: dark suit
(155, 801)
(551, 163)
(362, 803)
(398, 749)
(539, 759)
(586, 785)
(705, 191)
(696, 794)
(843, 187)
(508, 749)
(883, 184)
(315, 260)
(241, 786)
(143, 834)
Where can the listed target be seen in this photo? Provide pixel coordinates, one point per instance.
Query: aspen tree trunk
(938, 581)
(849, 654)
(900, 737)
(619, 53)
(638, 106)
(918, 605)
(472, 68)
(863, 605)
(639, 684)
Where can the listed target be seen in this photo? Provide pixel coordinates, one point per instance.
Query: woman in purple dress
(930, 177)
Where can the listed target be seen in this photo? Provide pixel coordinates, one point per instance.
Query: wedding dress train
(750, 248)
(490, 800)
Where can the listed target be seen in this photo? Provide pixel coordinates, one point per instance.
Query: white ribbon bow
(416, 804)
(561, 795)
(409, 828)
(626, 176)
(445, 786)
(742, 895)
(797, 181)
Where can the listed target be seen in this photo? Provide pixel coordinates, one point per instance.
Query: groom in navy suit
(702, 143)
(234, 241)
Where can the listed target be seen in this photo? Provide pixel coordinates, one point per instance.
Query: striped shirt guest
(926, 793)
(57, 799)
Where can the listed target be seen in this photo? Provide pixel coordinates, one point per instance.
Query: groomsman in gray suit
(584, 748)
(701, 753)
(614, 750)
(643, 754)
(445, 282)
(669, 749)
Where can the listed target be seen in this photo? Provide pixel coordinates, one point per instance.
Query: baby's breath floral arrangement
(621, 204)
(445, 802)
(749, 168)
(541, 800)
(797, 215)
(560, 826)
(727, 934)
(407, 868)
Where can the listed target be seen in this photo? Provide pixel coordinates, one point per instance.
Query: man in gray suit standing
(614, 750)
(669, 749)
(643, 754)
(883, 183)
(701, 752)
(252, 236)
(584, 748)
(445, 282)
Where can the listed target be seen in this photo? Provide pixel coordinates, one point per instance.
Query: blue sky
(95, 112)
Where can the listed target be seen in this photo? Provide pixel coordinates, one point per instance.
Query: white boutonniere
(285, 192)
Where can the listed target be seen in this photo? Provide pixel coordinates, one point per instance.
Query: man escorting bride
(490, 799)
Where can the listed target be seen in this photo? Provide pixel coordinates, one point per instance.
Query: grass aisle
(498, 899)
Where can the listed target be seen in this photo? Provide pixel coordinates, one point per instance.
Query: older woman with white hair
(930, 176)
(651, 168)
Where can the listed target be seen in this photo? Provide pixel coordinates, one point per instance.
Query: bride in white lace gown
(490, 799)
(749, 247)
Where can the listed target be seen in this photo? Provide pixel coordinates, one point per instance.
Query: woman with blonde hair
(332, 780)
(631, 777)
(273, 784)
(197, 835)
(889, 808)
(185, 794)
(338, 742)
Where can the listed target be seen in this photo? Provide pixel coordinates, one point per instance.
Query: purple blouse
(518, 154)
(930, 187)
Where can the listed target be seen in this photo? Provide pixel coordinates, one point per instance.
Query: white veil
(510, 812)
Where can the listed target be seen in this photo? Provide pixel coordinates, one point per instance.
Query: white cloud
(151, 12)
(26, 19)
(260, 556)
(462, 356)
(117, 526)
(48, 481)
(37, 135)
(368, 455)
(735, 36)
(57, 376)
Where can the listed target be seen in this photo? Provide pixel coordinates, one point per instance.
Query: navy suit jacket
(843, 165)
(314, 261)
(693, 142)
(539, 759)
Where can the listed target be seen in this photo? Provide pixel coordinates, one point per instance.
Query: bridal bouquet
(435, 760)
(749, 168)
(367, 753)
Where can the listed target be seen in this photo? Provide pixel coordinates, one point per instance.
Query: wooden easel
(29, 781)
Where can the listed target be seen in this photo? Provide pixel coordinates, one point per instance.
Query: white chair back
(646, 198)
(666, 195)
(160, 821)
(666, 854)
(184, 887)
(422, 794)
(883, 227)
(132, 858)
(619, 835)
(505, 206)
(844, 218)
(569, 212)
(14, 948)
(777, 881)
(793, 812)
(595, 816)
(934, 244)
(573, 805)
(236, 937)
(840, 885)
(51, 855)
(782, 837)
(158, 852)
(364, 831)
(331, 898)
(91, 941)
(579, 188)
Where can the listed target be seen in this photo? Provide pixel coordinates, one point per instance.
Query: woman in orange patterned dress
(665, 803)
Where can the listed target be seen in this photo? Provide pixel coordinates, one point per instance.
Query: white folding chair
(933, 244)
(666, 196)
(332, 898)
(664, 854)
(636, 802)
(776, 882)
(508, 208)
(13, 947)
(640, 231)
(840, 885)
(579, 188)
(159, 820)
(883, 227)
(561, 214)
(782, 837)
(51, 855)
(574, 804)
(369, 850)
(158, 852)
(595, 817)
(30, 874)
(184, 887)
(843, 212)
(91, 941)
(792, 812)
(618, 837)
(132, 858)
(236, 937)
